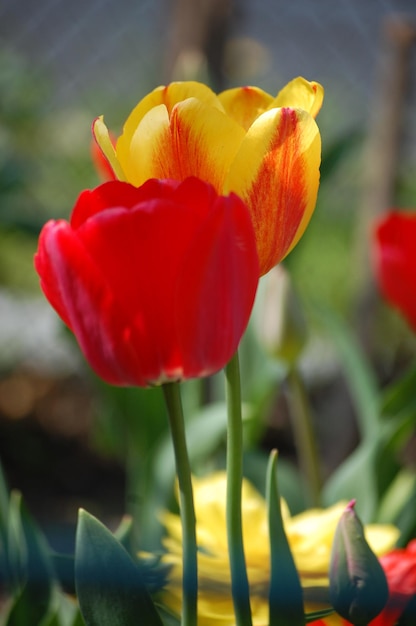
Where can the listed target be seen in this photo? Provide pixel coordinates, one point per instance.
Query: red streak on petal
(188, 154)
(278, 196)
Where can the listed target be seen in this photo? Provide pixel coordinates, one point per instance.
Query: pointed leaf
(110, 587)
(31, 567)
(285, 596)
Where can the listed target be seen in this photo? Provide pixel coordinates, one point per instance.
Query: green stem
(304, 436)
(186, 502)
(239, 580)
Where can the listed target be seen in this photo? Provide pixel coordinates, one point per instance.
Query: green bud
(279, 321)
(357, 583)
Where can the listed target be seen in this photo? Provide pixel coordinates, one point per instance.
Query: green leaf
(124, 533)
(168, 618)
(30, 565)
(285, 595)
(400, 395)
(355, 479)
(64, 611)
(205, 432)
(255, 464)
(109, 584)
(4, 504)
(408, 618)
(359, 376)
(16, 545)
(399, 504)
(357, 476)
(4, 515)
(397, 496)
(315, 615)
(338, 150)
(63, 565)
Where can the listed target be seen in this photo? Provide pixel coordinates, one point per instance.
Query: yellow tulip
(265, 149)
(310, 535)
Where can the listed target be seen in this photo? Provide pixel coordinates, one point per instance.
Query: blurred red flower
(157, 282)
(400, 569)
(395, 261)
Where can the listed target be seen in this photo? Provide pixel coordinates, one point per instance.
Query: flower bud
(357, 583)
(279, 321)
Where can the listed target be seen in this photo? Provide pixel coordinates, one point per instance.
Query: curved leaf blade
(109, 584)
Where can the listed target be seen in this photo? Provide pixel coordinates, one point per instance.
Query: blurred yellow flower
(266, 149)
(310, 536)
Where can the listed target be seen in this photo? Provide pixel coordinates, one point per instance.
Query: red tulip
(400, 569)
(157, 282)
(395, 261)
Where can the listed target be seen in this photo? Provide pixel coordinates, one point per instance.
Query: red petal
(218, 283)
(395, 261)
(117, 194)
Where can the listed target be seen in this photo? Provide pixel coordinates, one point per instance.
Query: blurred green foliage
(44, 163)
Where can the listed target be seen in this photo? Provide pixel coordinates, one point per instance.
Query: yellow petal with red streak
(134, 155)
(168, 95)
(245, 104)
(103, 139)
(276, 172)
(300, 93)
(195, 140)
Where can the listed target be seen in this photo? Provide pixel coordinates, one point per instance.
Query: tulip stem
(304, 436)
(239, 580)
(186, 503)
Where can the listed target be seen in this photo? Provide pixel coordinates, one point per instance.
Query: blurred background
(65, 436)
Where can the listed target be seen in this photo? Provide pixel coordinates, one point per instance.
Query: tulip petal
(78, 291)
(300, 93)
(228, 269)
(49, 285)
(196, 140)
(100, 161)
(245, 104)
(103, 139)
(276, 172)
(136, 326)
(395, 261)
(108, 195)
(168, 95)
